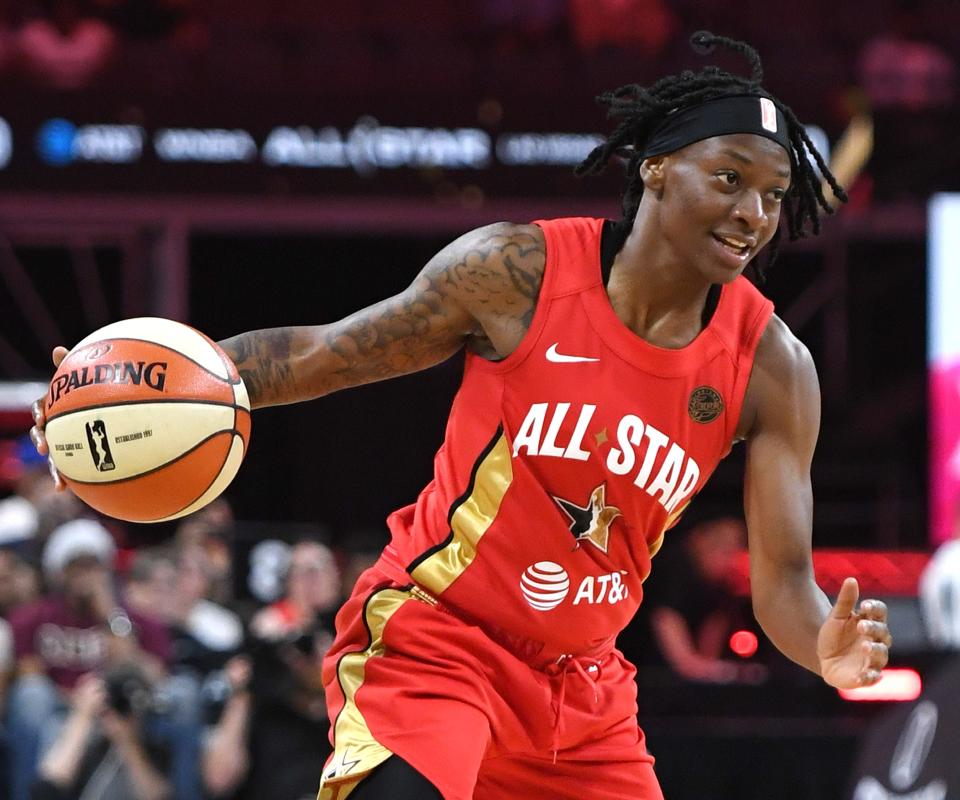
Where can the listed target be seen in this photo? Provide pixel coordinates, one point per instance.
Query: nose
(749, 210)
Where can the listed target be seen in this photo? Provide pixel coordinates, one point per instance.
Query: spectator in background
(910, 82)
(226, 754)
(10, 597)
(8, 600)
(101, 751)
(312, 592)
(80, 627)
(902, 68)
(67, 47)
(272, 735)
(174, 587)
(35, 508)
(688, 609)
(17, 586)
(212, 530)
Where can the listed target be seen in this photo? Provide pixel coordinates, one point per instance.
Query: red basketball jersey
(565, 463)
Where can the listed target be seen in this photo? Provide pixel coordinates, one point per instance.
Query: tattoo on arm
(487, 280)
(263, 360)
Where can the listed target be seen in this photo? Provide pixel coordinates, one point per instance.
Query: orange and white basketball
(147, 420)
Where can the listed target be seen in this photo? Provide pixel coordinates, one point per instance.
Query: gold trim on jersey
(654, 547)
(356, 751)
(469, 521)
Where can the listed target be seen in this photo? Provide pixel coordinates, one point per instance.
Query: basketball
(147, 420)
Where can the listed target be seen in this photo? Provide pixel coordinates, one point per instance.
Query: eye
(778, 194)
(729, 177)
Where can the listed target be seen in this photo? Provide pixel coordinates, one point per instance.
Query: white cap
(18, 519)
(79, 537)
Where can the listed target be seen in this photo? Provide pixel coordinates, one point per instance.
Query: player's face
(721, 201)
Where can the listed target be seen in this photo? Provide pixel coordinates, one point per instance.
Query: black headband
(718, 117)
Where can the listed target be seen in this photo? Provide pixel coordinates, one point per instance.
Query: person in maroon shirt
(78, 628)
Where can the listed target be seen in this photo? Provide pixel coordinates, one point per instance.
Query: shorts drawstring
(586, 668)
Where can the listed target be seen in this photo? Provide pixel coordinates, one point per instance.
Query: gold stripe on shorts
(356, 751)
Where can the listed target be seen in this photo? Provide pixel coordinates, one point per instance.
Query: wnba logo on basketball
(100, 445)
(139, 373)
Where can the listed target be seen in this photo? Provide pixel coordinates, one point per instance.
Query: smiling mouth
(735, 246)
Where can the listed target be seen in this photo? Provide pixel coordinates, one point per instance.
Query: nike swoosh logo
(561, 358)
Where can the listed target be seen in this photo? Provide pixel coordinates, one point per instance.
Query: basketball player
(609, 367)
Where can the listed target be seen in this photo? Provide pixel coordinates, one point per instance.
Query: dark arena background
(249, 164)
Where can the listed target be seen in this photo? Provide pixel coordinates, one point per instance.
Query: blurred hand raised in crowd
(89, 696)
(238, 671)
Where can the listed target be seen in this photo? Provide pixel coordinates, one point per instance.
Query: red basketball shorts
(406, 677)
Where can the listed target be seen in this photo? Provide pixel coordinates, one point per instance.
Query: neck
(652, 290)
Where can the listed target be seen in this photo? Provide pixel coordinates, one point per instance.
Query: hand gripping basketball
(146, 420)
(38, 409)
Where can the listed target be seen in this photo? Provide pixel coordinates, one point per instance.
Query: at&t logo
(545, 585)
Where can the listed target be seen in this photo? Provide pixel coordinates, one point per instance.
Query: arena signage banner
(396, 154)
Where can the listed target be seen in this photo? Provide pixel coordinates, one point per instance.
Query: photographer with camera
(101, 751)
(273, 731)
(79, 627)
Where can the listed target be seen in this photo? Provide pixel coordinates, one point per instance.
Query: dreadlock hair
(641, 109)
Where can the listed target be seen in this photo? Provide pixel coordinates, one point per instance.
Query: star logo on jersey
(592, 521)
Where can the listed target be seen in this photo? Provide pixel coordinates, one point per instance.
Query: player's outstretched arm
(847, 646)
(479, 289)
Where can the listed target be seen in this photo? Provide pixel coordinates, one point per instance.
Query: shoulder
(520, 234)
(784, 390)
(500, 251)
(782, 355)
(147, 624)
(493, 276)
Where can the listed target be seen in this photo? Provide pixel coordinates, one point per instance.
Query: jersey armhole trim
(748, 354)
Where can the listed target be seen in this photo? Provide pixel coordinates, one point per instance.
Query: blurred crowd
(190, 666)
(160, 671)
(68, 44)
(893, 57)
(900, 51)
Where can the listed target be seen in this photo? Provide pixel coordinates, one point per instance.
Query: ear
(652, 173)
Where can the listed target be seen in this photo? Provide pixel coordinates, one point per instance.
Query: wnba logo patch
(705, 404)
(544, 585)
(100, 445)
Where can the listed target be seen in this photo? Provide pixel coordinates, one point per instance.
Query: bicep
(778, 498)
(473, 277)
(483, 279)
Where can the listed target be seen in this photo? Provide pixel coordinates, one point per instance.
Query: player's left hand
(853, 645)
